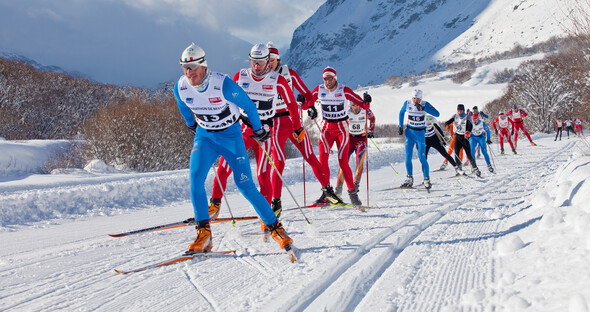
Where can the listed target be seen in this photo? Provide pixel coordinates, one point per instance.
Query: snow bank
(21, 158)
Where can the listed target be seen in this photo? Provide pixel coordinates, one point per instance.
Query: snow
(513, 241)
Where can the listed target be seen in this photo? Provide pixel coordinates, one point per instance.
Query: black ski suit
(463, 126)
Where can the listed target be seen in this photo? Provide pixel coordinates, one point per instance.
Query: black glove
(489, 141)
(261, 135)
(512, 132)
(300, 98)
(370, 134)
(193, 129)
(419, 106)
(312, 112)
(400, 130)
(299, 134)
(367, 98)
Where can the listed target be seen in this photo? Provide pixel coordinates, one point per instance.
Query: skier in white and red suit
(282, 132)
(517, 116)
(333, 97)
(262, 86)
(503, 123)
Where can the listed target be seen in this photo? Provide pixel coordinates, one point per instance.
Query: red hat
(329, 71)
(475, 116)
(274, 51)
(500, 113)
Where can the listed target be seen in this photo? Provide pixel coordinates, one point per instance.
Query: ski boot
(277, 208)
(203, 242)
(354, 197)
(459, 171)
(514, 151)
(427, 183)
(409, 181)
(502, 151)
(279, 234)
(490, 168)
(338, 190)
(214, 205)
(477, 172)
(444, 165)
(533, 143)
(329, 196)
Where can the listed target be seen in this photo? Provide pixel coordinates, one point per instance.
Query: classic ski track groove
(360, 280)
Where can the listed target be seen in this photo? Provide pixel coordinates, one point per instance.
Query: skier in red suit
(517, 116)
(503, 123)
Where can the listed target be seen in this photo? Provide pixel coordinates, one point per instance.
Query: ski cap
(461, 107)
(273, 50)
(329, 72)
(417, 93)
(259, 52)
(193, 54)
(501, 113)
(475, 116)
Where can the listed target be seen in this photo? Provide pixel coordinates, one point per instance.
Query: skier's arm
(311, 101)
(355, 98)
(371, 116)
(439, 129)
(235, 94)
(286, 92)
(185, 111)
(428, 108)
(487, 130)
(402, 114)
(523, 113)
(450, 121)
(483, 115)
(299, 85)
(494, 124)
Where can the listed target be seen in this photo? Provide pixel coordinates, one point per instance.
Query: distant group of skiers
(257, 110)
(469, 133)
(574, 125)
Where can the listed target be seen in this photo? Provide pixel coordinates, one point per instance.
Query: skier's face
(355, 108)
(273, 63)
(195, 76)
(329, 82)
(258, 66)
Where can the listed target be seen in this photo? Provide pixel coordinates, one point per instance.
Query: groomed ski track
(412, 251)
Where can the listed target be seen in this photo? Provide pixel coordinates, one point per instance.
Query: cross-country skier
(282, 132)
(558, 126)
(361, 123)
(517, 116)
(569, 127)
(434, 138)
(263, 86)
(333, 97)
(481, 115)
(503, 123)
(578, 126)
(463, 126)
(210, 104)
(415, 134)
(451, 150)
(480, 135)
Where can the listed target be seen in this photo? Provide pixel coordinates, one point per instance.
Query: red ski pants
(336, 132)
(504, 133)
(519, 125)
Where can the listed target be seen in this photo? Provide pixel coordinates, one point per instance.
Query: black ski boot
(354, 197)
(277, 207)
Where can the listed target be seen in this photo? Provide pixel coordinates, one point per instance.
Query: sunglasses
(258, 62)
(328, 78)
(191, 66)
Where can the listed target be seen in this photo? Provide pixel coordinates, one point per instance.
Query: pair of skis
(190, 255)
(332, 206)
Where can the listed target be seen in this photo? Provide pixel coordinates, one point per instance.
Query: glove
(512, 132)
(496, 132)
(467, 134)
(367, 98)
(370, 134)
(300, 98)
(193, 129)
(400, 130)
(299, 134)
(489, 141)
(419, 106)
(261, 135)
(312, 112)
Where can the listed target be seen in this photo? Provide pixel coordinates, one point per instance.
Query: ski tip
(291, 253)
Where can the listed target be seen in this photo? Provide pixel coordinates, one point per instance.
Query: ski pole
(233, 220)
(284, 183)
(303, 164)
(493, 156)
(383, 155)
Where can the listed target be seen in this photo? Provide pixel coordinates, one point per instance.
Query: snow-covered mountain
(367, 41)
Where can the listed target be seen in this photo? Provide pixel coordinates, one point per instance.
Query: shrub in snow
(99, 166)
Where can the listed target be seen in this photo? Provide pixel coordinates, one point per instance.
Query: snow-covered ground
(516, 240)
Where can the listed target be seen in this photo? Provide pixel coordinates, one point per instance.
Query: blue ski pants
(416, 137)
(474, 141)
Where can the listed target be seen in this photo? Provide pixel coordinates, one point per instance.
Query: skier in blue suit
(210, 104)
(415, 134)
(480, 135)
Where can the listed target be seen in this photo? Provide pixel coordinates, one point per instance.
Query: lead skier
(415, 134)
(210, 104)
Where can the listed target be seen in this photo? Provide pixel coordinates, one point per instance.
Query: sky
(140, 42)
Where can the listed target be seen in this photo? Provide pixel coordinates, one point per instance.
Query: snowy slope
(368, 41)
(516, 239)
